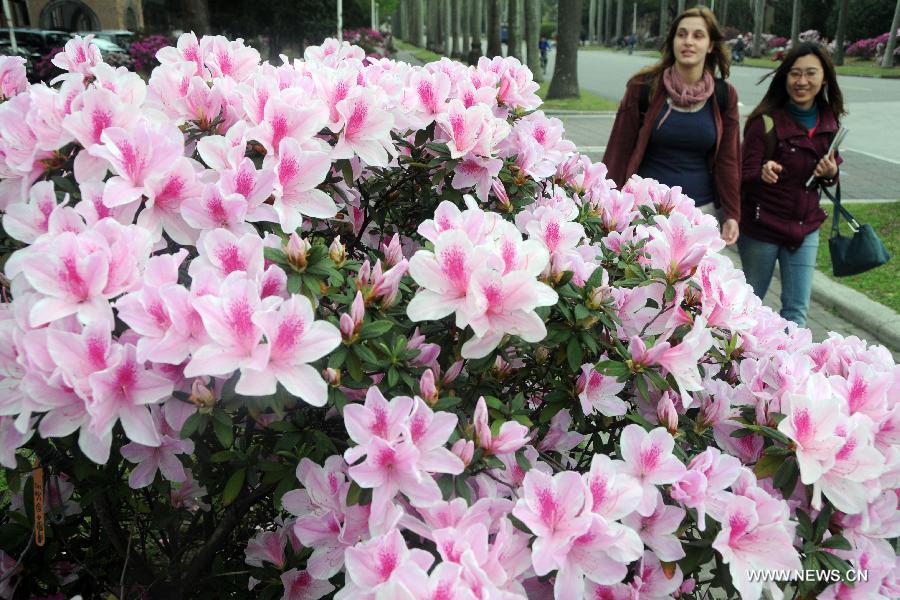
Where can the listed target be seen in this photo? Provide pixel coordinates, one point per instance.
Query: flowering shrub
(868, 48)
(371, 40)
(776, 42)
(348, 325)
(143, 52)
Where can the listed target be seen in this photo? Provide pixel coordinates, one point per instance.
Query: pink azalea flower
(12, 76)
(651, 582)
(266, 546)
(511, 437)
(444, 583)
(136, 155)
(477, 172)
(228, 58)
(708, 474)
(601, 555)
(811, 423)
(80, 55)
(226, 253)
(120, 393)
(429, 432)
(443, 276)
(376, 418)
(677, 245)
(298, 172)
(235, 337)
(463, 126)
(554, 509)
(285, 120)
(657, 530)
(682, 360)
(212, 209)
(300, 585)
(96, 110)
(26, 222)
(851, 484)
(751, 540)
(614, 493)
(366, 129)
(648, 458)
(160, 458)
(372, 564)
(294, 339)
(255, 186)
(598, 392)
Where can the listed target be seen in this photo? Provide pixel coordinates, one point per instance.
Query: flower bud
(500, 192)
(348, 329)
(464, 449)
(666, 413)
(332, 376)
(358, 311)
(337, 252)
(297, 250)
(393, 253)
(427, 389)
(202, 396)
(501, 369)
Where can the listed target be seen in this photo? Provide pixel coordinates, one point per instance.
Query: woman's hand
(827, 167)
(730, 231)
(770, 171)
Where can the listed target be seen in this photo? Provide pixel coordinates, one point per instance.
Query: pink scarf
(683, 95)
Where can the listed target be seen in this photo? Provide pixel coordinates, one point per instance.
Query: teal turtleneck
(807, 117)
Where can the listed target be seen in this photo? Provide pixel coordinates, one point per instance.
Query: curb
(879, 321)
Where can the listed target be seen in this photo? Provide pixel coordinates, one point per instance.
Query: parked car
(41, 41)
(120, 37)
(107, 47)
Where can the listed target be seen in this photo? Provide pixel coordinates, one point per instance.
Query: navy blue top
(806, 117)
(678, 151)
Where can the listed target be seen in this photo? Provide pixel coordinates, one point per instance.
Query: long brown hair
(719, 58)
(777, 95)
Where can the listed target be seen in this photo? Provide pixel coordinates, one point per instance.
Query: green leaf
(804, 525)
(224, 431)
(445, 483)
(786, 477)
(823, 520)
(522, 461)
(393, 377)
(347, 172)
(493, 462)
(549, 411)
(275, 255)
(233, 486)
(641, 384)
(613, 368)
(294, 283)
(767, 465)
(354, 367)
(836, 542)
(657, 380)
(575, 354)
(222, 456)
(495, 403)
(192, 423)
(834, 562)
(448, 402)
(375, 329)
(519, 524)
(363, 352)
(353, 494)
(462, 489)
(778, 451)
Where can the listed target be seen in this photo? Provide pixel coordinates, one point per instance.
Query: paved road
(872, 149)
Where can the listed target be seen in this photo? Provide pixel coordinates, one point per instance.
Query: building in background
(78, 15)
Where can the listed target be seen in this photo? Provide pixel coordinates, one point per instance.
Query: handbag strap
(840, 210)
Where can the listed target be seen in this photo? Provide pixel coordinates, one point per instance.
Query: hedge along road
(873, 119)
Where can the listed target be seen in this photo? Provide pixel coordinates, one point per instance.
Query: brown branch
(206, 554)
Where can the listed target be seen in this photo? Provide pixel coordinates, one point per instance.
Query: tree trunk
(514, 30)
(759, 13)
(795, 23)
(888, 61)
(565, 71)
(532, 36)
(465, 17)
(447, 28)
(680, 6)
(476, 24)
(608, 23)
(196, 16)
(592, 21)
(399, 23)
(458, 48)
(494, 46)
(620, 15)
(841, 32)
(663, 17)
(724, 20)
(601, 10)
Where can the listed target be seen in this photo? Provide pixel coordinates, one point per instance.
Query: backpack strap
(721, 91)
(770, 139)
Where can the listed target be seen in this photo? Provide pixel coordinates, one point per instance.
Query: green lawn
(878, 284)
(587, 102)
(422, 54)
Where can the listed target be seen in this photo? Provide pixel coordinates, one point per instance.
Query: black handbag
(858, 253)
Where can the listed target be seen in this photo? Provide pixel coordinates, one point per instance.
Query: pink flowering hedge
(350, 327)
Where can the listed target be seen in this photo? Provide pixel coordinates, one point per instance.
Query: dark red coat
(787, 211)
(628, 143)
